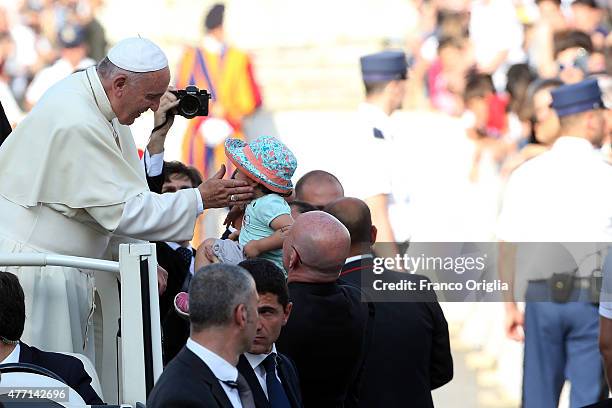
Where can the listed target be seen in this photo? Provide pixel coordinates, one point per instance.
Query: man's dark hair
(374, 88)
(355, 215)
(12, 307)
(176, 167)
(302, 206)
(315, 174)
(268, 278)
(478, 85)
(567, 39)
(557, 2)
(214, 293)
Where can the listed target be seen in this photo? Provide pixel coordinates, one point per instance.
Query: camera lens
(190, 105)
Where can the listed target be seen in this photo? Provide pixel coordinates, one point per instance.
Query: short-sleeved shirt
(258, 216)
(561, 196)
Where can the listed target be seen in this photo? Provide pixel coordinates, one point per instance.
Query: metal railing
(130, 313)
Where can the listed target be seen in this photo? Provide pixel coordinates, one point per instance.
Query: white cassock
(70, 178)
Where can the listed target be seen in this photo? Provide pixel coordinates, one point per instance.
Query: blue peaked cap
(383, 66)
(575, 98)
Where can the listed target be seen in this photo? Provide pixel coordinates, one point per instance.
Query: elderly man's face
(140, 95)
(272, 317)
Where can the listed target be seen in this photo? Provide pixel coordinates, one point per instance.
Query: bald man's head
(355, 215)
(316, 247)
(318, 188)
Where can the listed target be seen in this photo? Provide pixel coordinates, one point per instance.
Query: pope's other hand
(218, 193)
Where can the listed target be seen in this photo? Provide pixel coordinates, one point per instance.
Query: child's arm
(275, 241)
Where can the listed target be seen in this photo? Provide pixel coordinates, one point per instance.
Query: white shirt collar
(175, 246)
(357, 258)
(212, 45)
(14, 356)
(256, 359)
(573, 143)
(222, 369)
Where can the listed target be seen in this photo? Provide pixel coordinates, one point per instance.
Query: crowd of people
(274, 313)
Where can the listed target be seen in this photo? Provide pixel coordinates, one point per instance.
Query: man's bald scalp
(322, 241)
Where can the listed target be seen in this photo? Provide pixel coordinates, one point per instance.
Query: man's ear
(373, 234)
(287, 312)
(119, 83)
(240, 315)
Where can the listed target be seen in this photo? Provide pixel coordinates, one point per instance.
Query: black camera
(192, 101)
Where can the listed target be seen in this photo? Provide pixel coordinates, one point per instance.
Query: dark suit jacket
(410, 352)
(68, 368)
(175, 329)
(187, 382)
(287, 374)
(325, 337)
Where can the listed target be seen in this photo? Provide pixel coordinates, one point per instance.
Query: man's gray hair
(108, 70)
(215, 292)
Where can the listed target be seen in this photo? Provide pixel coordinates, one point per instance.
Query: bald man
(318, 188)
(410, 351)
(326, 334)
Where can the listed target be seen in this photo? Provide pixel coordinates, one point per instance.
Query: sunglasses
(581, 61)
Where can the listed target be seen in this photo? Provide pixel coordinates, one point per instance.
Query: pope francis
(70, 178)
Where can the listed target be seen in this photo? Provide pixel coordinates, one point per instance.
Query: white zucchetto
(138, 55)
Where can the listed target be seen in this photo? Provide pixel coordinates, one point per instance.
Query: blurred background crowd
(470, 115)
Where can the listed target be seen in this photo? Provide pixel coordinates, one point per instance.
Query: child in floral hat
(268, 165)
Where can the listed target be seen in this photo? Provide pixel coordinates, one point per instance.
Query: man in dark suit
(12, 319)
(223, 315)
(271, 375)
(177, 258)
(410, 351)
(326, 335)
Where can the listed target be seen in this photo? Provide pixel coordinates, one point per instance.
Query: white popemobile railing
(128, 352)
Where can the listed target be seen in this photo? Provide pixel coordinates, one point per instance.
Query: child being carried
(267, 165)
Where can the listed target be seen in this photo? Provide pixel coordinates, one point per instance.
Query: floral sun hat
(266, 160)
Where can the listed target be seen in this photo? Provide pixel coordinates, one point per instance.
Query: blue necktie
(276, 393)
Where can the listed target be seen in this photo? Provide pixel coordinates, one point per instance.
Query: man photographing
(71, 178)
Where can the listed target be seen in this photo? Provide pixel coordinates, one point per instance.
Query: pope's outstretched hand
(217, 193)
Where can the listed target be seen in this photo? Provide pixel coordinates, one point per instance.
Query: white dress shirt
(562, 195)
(13, 357)
(256, 361)
(357, 258)
(155, 164)
(221, 369)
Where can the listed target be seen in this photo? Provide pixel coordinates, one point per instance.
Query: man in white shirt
(561, 196)
(71, 179)
(223, 315)
(370, 172)
(271, 375)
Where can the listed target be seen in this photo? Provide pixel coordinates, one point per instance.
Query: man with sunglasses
(326, 335)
